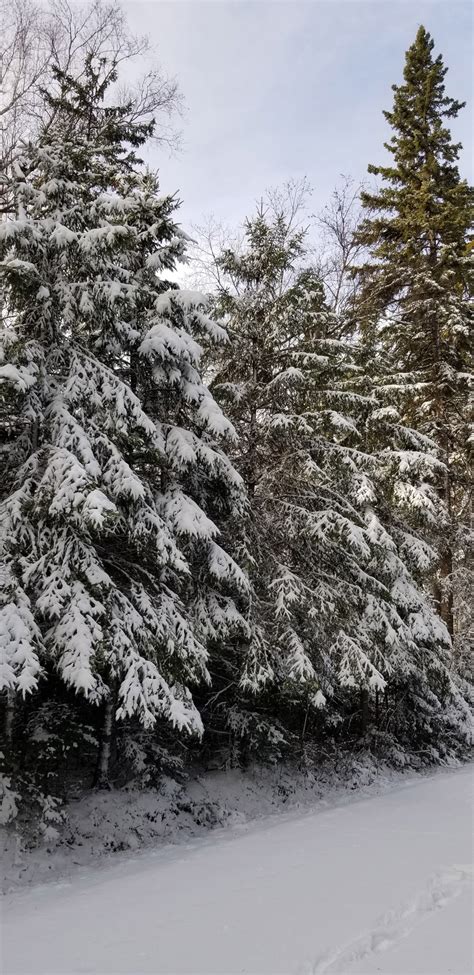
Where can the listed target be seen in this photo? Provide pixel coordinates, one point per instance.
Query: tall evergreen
(340, 499)
(113, 470)
(416, 286)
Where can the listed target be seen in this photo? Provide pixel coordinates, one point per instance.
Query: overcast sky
(278, 90)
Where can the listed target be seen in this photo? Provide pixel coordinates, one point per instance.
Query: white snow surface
(380, 884)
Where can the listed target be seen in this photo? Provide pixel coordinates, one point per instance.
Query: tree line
(235, 526)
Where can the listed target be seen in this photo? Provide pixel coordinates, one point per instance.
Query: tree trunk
(9, 715)
(442, 590)
(446, 606)
(446, 563)
(253, 431)
(134, 370)
(364, 705)
(101, 780)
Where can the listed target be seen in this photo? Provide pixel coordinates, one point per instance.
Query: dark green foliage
(415, 301)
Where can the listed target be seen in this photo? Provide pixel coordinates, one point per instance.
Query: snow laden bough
(114, 577)
(344, 504)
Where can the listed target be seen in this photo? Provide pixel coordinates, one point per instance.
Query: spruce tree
(415, 300)
(114, 472)
(340, 497)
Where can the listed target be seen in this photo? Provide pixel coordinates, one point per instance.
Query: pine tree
(416, 287)
(426, 703)
(339, 491)
(114, 472)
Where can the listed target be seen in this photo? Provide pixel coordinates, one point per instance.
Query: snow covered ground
(382, 884)
(102, 824)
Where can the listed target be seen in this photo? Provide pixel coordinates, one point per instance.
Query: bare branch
(211, 238)
(37, 38)
(338, 252)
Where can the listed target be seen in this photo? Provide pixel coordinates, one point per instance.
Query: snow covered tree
(425, 701)
(114, 472)
(335, 601)
(416, 286)
(39, 37)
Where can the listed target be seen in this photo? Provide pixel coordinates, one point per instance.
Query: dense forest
(236, 516)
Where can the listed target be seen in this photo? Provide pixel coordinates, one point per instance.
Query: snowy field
(381, 884)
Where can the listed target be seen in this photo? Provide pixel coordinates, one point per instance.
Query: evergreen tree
(339, 491)
(114, 473)
(426, 702)
(415, 298)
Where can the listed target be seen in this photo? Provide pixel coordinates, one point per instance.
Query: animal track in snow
(397, 924)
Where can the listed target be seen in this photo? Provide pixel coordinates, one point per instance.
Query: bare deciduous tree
(37, 39)
(337, 223)
(212, 238)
